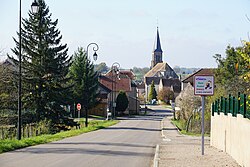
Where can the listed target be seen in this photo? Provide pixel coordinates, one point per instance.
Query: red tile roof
(118, 84)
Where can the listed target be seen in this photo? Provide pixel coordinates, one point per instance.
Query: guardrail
(233, 105)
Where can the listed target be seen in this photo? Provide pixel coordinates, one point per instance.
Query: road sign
(204, 85)
(78, 106)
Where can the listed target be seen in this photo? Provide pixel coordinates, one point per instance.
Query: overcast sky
(191, 31)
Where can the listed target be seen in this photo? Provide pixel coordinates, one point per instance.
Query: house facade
(121, 81)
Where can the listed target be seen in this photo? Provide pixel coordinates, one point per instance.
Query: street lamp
(19, 110)
(95, 48)
(115, 69)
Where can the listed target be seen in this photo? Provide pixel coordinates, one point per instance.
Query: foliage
(9, 145)
(8, 87)
(45, 65)
(166, 94)
(84, 79)
(140, 72)
(152, 92)
(101, 68)
(233, 70)
(121, 101)
(190, 110)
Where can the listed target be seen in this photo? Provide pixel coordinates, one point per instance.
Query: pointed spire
(158, 42)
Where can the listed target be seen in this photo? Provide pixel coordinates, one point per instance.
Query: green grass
(9, 145)
(180, 126)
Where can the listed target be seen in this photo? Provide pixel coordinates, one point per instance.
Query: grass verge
(9, 145)
(179, 125)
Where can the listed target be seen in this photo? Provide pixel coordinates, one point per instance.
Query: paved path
(131, 143)
(178, 150)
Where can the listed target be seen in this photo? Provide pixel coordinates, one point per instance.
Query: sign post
(203, 86)
(78, 106)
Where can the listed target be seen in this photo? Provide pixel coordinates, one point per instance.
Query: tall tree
(45, 65)
(152, 92)
(84, 78)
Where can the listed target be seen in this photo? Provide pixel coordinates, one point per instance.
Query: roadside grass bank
(181, 126)
(10, 145)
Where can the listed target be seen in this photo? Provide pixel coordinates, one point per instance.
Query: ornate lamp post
(34, 8)
(95, 48)
(115, 69)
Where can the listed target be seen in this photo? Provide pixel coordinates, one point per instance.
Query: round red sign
(78, 106)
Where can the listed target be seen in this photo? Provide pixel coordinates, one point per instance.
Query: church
(160, 72)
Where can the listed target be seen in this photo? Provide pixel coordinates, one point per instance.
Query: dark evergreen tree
(121, 102)
(45, 65)
(152, 92)
(85, 80)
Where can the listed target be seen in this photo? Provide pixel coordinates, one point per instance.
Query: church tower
(157, 52)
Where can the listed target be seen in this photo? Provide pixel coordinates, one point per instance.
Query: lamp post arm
(95, 48)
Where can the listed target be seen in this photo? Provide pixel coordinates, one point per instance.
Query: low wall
(232, 135)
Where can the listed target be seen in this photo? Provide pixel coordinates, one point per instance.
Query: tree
(101, 68)
(84, 79)
(232, 69)
(152, 92)
(8, 88)
(45, 65)
(166, 94)
(121, 101)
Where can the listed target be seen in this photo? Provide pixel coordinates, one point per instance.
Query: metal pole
(19, 123)
(87, 100)
(112, 95)
(202, 125)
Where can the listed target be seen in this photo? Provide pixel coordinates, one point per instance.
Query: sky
(191, 31)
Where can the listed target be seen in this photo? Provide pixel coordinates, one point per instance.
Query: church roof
(157, 70)
(157, 46)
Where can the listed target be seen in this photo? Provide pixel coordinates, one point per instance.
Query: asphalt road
(130, 143)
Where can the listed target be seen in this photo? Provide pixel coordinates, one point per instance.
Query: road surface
(130, 143)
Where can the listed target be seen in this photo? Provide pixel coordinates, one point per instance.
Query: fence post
(230, 103)
(238, 112)
(233, 113)
(221, 104)
(217, 106)
(225, 106)
(244, 105)
(213, 108)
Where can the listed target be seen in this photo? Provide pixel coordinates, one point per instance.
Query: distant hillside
(181, 71)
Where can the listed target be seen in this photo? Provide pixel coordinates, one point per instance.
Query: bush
(121, 102)
(165, 95)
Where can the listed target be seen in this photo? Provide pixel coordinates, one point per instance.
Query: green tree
(8, 87)
(101, 68)
(231, 70)
(152, 92)
(45, 65)
(165, 95)
(84, 78)
(121, 101)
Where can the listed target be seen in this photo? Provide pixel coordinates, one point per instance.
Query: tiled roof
(123, 73)
(157, 70)
(118, 84)
(203, 71)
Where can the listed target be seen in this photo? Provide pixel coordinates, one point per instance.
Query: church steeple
(157, 47)
(157, 51)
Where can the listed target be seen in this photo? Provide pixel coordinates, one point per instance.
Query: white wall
(232, 135)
